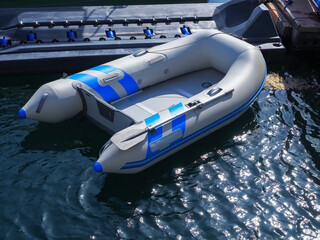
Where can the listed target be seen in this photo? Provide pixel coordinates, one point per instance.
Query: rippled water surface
(257, 178)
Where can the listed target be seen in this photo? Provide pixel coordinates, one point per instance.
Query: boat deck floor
(153, 99)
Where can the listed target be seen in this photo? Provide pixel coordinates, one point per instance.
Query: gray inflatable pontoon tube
(160, 100)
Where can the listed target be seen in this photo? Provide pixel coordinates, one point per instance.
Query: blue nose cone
(22, 114)
(97, 167)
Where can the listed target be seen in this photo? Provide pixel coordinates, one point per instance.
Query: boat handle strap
(42, 100)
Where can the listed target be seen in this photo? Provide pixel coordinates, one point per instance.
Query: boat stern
(53, 102)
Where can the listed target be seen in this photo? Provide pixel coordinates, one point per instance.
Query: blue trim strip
(148, 32)
(110, 34)
(3, 42)
(153, 137)
(104, 68)
(107, 92)
(32, 36)
(22, 114)
(176, 109)
(210, 126)
(179, 122)
(71, 35)
(85, 78)
(317, 4)
(152, 120)
(185, 31)
(129, 84)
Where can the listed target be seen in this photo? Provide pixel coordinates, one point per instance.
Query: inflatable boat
(157, 101)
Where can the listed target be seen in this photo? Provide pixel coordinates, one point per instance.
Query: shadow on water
(307, 118)
(300, 77)
(34, 81)
(306, 71)
(139, 186)
(74, 133)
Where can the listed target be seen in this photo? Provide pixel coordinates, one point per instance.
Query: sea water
(257, 178)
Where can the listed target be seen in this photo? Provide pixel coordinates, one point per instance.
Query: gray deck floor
(163, 95)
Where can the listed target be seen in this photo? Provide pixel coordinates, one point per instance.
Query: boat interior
(119, 114)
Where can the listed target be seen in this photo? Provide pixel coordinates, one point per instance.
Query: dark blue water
(259, 177)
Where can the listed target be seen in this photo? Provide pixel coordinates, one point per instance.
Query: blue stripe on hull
(179, 122)
(152, 120)
(176, 109)
(104, 68)
(153, 137)
(88, 79)
(106, 92)
(129, 84)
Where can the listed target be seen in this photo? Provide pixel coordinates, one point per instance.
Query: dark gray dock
(298, 23)
(39, 39)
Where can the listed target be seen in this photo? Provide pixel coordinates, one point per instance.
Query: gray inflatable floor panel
(163, 95)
